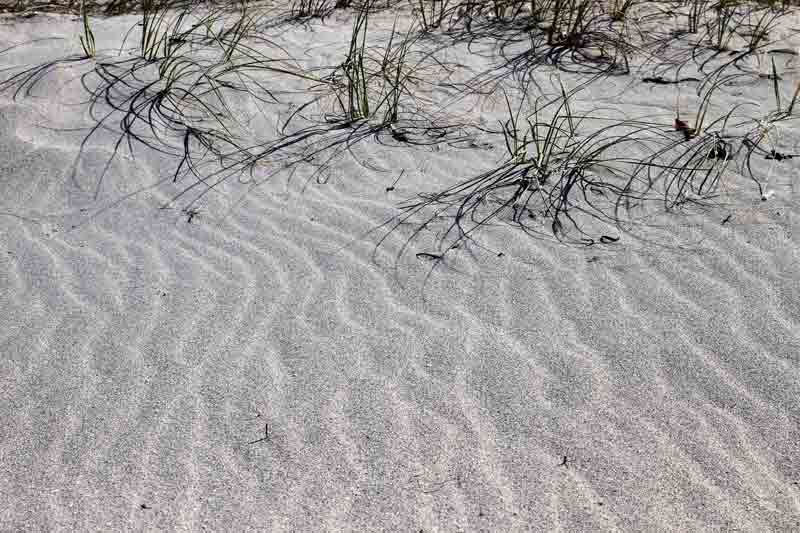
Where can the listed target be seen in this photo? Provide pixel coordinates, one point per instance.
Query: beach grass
(172, 94)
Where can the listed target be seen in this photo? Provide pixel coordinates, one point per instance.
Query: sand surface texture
(253, 356)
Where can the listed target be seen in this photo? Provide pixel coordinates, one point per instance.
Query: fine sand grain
(257, 360)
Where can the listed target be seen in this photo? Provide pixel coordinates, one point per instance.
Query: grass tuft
(87, 39)
(178, 88)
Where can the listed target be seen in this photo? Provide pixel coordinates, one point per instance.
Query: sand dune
(262, 365)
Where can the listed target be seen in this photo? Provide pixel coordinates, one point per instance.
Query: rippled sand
(263, 366)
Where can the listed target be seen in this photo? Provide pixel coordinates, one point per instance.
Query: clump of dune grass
(691, 169)
(431, 13)
(87, 39)
(761, 23)
(310, 8)
(582, 36)
(374, 85)
(373, 93)
(367, 87)
(720, 25)
(557, 171)
(735, 36)
(170, 94)
(726, 20)
(689, 163)
(561, 168)
(569, 21)
(748, 23)
(765, 130)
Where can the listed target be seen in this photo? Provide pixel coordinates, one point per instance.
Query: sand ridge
(520, 385)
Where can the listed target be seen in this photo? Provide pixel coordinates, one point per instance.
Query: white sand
(141, 354)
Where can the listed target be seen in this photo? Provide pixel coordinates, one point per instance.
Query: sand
(263, 365)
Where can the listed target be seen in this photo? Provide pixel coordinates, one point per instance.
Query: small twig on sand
(266, 435)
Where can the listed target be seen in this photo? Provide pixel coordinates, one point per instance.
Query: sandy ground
(652, 385)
